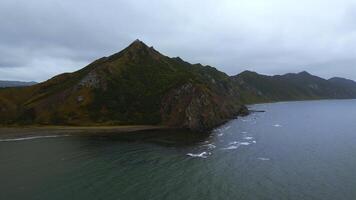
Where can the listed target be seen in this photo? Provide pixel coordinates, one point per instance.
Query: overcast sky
(39, 39)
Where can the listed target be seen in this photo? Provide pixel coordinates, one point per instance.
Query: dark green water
(297, 150)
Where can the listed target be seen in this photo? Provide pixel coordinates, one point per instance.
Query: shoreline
(28, 131)
(12, 132)
(301, 100)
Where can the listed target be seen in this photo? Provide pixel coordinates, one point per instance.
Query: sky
(40, 39)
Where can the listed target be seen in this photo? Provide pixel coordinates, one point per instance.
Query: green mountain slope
(139, 85)
(135, 86)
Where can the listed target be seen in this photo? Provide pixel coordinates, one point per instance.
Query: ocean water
(295, 150)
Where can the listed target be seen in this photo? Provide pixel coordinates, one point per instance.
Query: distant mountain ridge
(139, 85)
(292, 86)
(345, 83)
(4, 83)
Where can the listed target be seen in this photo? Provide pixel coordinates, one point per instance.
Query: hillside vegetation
(135, 86)
(139, 85)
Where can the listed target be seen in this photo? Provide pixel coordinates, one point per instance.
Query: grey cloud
(39, 39)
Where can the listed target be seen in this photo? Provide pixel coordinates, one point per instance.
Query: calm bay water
(295, 150)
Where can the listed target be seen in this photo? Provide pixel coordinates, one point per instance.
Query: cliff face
(135, 86)
(194, 107)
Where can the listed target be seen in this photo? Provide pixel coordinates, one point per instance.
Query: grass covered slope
(135, 86)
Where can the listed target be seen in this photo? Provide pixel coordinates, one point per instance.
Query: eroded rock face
(90, 80)
(197, 108)
(80, 98)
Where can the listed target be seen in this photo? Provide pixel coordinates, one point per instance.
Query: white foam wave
(210, 146)
(231, 147)
(198, 155)
(237, 144)
(31, 138)
(277, 125)
(234, 142)
(263, 159)
(248, 138)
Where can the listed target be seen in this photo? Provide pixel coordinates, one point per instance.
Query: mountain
(292, 86)
(137, 85)
(15, 84)
(140, 86)
(343, 82)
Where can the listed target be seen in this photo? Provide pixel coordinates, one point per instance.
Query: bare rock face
(197, 108)
(80, 98)
(90, 80)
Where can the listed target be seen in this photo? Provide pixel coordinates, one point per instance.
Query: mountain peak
(136, 50)
(304, 73)
(248, 72)
(138, 44)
